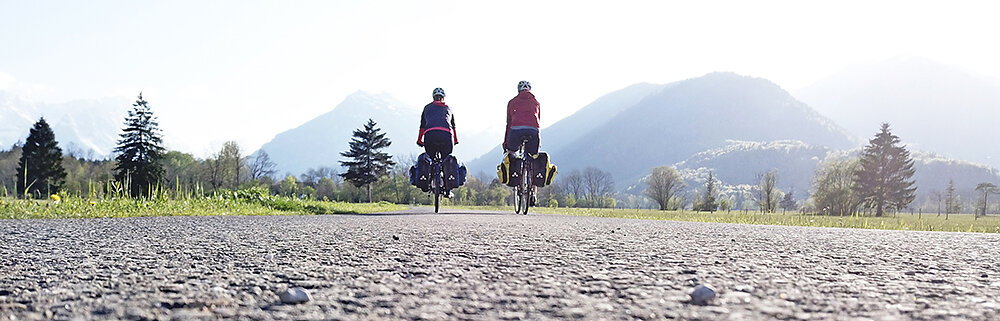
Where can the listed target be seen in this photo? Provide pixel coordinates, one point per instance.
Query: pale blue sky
(266, 66)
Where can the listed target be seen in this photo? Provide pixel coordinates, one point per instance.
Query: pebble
(294, 296)
(702, 294)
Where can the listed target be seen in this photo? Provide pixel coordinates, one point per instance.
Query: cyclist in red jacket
(522, 121)
(437, 127)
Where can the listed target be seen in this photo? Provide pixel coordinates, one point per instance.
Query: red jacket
(522, 110)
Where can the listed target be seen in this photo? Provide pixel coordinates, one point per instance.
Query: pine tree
(951, 203)
(707, 202)
(788, 201)
(367, 162)
(885, 177)
(40, 168)
(140, 151)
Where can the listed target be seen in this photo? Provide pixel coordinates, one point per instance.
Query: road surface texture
(462, 265)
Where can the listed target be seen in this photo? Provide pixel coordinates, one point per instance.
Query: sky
(215, 71)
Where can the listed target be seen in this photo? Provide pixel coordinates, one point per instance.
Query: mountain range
(87, 128)
(644, 126)
(319, 142)
(734, 125)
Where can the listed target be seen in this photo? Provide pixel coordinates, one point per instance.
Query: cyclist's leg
(437, 141)
(531, 146)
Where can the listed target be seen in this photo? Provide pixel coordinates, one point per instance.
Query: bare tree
(312, 176)
(986, 189)
(261, 166)
(598, 183)
(767, 193)
(574, 183)
(664, 185)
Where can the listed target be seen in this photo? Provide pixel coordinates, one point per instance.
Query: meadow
(242, 202)
(900, 221)
(260, 202)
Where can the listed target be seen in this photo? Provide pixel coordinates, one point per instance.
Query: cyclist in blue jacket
(437, 127)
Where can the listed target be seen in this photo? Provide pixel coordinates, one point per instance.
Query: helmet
(523, 85)
(438, 92)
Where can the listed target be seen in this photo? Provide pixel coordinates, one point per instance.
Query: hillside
(931, 106)
(568, 129)
(319, 142)
(739, 162)
(680, 119)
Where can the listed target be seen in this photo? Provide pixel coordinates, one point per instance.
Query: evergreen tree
(40, 168)
(788, 201)
(367, 163)
(885, 177)
(707, 202)
(140, 151)
(952, 202)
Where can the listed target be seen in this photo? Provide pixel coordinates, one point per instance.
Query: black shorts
(519, 135)
(438, 141)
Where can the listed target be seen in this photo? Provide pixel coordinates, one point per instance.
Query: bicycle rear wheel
(516, 194)
(437, 189)
(437, 200)
(525, 187)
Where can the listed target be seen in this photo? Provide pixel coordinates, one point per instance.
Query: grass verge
(925, 222)
(228, 203)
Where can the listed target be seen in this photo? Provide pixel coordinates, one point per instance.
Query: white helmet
(438, 92)
(523, 85)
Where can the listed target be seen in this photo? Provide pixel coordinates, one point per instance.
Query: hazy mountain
(320, 141)
(676, 121)
(568, 129)
(88, 128)
(930, 106)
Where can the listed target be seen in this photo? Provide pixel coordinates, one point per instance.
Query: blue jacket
(437, 116)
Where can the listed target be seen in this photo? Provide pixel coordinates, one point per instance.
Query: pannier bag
(420, 172)
(454, 172)
(462, 174)
(542, 170)
(508, 171)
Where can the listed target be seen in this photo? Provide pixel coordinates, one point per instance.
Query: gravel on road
(486, 265)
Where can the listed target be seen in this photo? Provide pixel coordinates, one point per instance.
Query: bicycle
(522, 192)
(437, 185)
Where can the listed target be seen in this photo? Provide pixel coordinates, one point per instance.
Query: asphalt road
(461, 265)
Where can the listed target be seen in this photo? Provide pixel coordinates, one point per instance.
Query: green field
(925, 222)
(250, 203)
(233, 203)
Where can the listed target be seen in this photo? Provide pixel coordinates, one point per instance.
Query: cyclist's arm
(423, 125)
(454, 131)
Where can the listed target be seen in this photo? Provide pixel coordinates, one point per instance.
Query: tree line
(878, 181)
